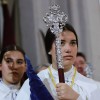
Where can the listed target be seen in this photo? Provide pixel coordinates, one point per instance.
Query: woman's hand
(65, 92)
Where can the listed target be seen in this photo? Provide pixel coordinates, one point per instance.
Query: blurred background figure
(82, 66)
(39, 68)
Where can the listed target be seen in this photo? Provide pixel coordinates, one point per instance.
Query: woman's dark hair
(81, 55)
(50, 37)
(12, 48)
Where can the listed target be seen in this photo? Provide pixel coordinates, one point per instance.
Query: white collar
(68, 75)
(11, 87)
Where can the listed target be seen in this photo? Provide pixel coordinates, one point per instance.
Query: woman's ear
(49, 53)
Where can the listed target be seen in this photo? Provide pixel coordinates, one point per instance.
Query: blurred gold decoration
(3, 1)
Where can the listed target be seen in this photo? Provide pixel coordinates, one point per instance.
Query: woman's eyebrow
(73, 40)
(20, 59)
(62, 40)
(6, 57)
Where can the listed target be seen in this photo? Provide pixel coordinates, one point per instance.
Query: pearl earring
(49, 53)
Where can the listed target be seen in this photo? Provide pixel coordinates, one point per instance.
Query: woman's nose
(13, 65)
(67, 48)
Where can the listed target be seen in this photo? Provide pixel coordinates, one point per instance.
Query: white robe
(8, 92)
(84, 86)
(24, 93)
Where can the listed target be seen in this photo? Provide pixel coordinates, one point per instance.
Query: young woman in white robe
(76, 86)
(12, 68)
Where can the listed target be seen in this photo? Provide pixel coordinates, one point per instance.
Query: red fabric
(8, 28)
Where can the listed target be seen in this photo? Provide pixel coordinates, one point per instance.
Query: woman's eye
(9, 60)
(62, 43)
(20, 62)
(73, 43)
